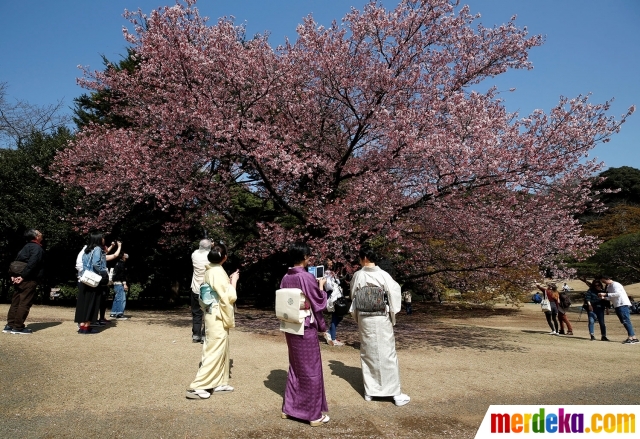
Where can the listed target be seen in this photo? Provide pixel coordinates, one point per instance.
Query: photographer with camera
(334, 292)
(103, 290)
(200, 262)
(119, 289)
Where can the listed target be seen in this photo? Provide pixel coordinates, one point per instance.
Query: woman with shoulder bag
(93, 259)
(334, 292)
(551, 294)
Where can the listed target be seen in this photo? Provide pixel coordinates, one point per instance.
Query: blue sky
(592, 46)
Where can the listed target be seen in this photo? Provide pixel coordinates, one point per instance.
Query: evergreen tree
(30, 200)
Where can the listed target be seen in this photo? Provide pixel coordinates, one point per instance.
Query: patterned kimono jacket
(304, 396)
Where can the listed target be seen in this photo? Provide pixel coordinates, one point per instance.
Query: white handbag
(545, 305)
(90, 278)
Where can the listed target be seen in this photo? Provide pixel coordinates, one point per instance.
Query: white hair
(205, 244)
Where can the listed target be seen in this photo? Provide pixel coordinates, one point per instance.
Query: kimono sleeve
(395, 294)
(316, 297)
(219, 281)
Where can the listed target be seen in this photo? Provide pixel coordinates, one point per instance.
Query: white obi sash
(292, 309)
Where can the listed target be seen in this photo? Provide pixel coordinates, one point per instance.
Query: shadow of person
(112, 324)
(352, 375)
(276, 381)
(35, 327)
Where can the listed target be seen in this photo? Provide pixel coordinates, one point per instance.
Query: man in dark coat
(25, 283)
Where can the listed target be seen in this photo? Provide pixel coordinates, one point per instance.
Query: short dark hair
(31, 235)
(605, 276)
(298, 251)
(366, 251)
(95, 240)
(217, 253)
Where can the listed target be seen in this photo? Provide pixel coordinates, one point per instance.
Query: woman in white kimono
(213, 374)
(380, 370)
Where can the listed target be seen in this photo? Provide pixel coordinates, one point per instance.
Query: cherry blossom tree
(370, 129)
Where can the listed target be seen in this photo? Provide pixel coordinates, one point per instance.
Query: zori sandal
(323, 420)
(223, 389)
(401, 399)
(197, 394)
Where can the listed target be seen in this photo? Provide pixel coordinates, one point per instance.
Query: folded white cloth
(290, 310)
(290, 305)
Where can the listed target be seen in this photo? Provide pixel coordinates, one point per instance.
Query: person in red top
(552, 295)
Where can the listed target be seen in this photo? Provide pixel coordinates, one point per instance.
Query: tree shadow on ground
(352, 375)
(411, 334)
(178, 318)
(259, 322)
(276, 381)
(35, 327)
(449, 336)
(184, 323)
(422, 329)
(455, 310)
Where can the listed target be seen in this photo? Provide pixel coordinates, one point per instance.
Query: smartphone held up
(317, 271)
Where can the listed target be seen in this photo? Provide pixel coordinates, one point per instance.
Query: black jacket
(33, 255)
(120, 272)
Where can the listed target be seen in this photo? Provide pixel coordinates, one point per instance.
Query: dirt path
(129, 380)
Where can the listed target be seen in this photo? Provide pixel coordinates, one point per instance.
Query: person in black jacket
(119, 288)
(25, 284)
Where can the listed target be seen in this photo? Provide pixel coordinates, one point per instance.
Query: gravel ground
(129, 380)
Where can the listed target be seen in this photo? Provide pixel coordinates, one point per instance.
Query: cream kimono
(214, 367)
(380, 371)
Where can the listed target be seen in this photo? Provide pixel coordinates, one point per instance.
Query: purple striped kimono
(304, 396)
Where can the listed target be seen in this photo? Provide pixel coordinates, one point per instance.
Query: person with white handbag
(550, 305)
(93, 274)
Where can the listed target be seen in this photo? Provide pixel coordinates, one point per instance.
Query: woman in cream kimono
(380, 371)
(213, 374)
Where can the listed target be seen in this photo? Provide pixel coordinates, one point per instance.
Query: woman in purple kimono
(304, 396)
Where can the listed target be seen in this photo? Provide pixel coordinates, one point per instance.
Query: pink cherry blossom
(366, 129)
